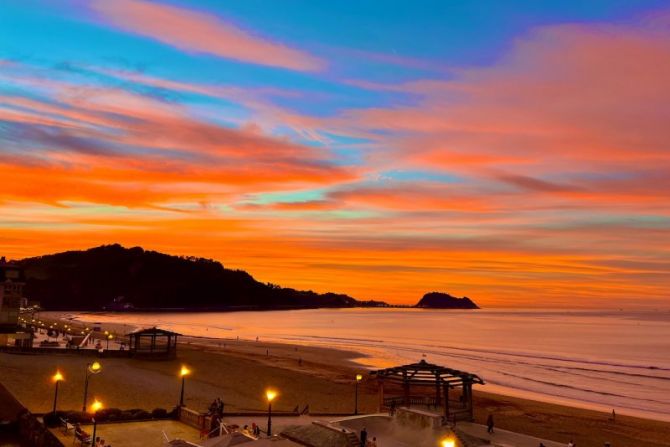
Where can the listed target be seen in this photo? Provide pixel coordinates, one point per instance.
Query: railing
(54, 350)
(192, 418)
(411, 400)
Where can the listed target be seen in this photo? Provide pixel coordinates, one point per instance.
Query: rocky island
(439, 300)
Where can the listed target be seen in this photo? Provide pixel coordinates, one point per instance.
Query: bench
(83, 437)
(65, 425)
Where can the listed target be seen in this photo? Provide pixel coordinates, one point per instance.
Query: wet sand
(239, 372)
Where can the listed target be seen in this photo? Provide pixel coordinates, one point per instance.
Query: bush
(53, 419)
(159, 413)
(74, 417)
(126, 416)
(108, 414)
(140, 414)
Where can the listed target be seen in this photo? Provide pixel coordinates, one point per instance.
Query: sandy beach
(239, 371)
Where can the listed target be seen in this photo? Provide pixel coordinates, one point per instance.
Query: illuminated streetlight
(183, 372)
(270, 394)
(57, 378)
(358, 379)
(95, 406)
(91, 368)
(109, 337)
(448, 442)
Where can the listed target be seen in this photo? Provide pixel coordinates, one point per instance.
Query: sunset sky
(517, 152)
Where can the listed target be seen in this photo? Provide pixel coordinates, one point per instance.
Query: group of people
(365, 442)
(216, 407)
(216, 412)
(100, 442)
(255, 429)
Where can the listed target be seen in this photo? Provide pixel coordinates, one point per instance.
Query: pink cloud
(199, 32)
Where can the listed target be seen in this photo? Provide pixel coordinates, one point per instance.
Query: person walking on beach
(364, 437)
(489, 424)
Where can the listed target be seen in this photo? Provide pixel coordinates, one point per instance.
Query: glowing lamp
(95, 406)
(270, 394)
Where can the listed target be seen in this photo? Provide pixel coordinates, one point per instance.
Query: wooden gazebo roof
(153, 331)
(424, 373)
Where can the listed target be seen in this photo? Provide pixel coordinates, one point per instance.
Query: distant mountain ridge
(119, 278)
(438, 300)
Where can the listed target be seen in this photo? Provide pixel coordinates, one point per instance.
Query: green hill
(115, 278)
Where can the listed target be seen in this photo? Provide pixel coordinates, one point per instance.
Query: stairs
(352, 440)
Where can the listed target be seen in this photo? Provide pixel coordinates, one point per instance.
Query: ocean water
(596, 359)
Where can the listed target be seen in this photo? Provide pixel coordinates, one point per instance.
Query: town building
(12, 281)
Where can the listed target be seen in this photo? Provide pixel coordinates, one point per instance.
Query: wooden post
(468, 387)
(405, 389)
(446, 401)
(438, 392)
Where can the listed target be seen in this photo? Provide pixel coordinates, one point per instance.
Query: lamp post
(270, 394)
(57, 378)
(183, 373)
(91, 368)
(95, 406)
(109, 337)
(448, 442)
(358, 379)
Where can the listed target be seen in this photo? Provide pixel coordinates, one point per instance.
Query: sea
(606, 360)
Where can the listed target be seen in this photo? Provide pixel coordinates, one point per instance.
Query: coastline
(318, 376)
(372, 353)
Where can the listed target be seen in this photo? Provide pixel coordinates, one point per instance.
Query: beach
(323, 378)
(595, 359)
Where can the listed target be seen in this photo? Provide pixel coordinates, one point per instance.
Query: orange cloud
(199, 32)
(558, 153)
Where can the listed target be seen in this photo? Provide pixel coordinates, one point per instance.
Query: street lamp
(57, 378)
(109, 337)
(95, 406)
(270, 394)
(448, 442)
(91, 368)
(183, 372)
(358, 379)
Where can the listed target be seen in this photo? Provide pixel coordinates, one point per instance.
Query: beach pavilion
(428, 385)
(153, 343)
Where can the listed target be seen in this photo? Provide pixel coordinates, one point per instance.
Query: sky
(517, 152)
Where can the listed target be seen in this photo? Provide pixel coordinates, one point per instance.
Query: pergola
(153, 343)
(428, 375)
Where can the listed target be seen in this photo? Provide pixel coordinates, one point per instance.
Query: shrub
(159, 413)
(53, 419)
(108, 414)
(74, 417)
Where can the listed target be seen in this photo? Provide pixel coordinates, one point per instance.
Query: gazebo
(438, 380)
(153, 343)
